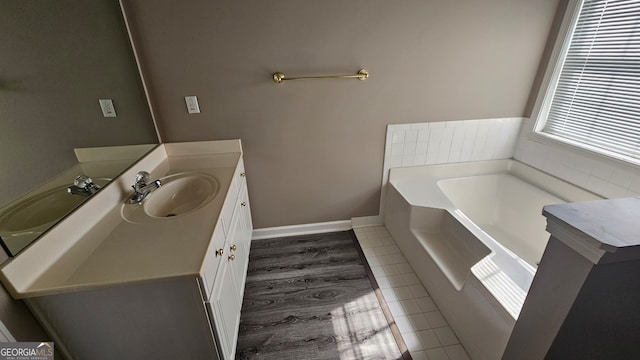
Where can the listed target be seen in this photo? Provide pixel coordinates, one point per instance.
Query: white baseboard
(303, 229)
(364, 221)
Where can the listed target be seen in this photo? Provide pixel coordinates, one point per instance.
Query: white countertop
(95, 246)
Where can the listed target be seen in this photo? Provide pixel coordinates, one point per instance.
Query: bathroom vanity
(163, 279)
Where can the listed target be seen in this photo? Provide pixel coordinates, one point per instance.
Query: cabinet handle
(219, 252)
(244, 203)
(233, 248)
(232, 257)
(243, 174)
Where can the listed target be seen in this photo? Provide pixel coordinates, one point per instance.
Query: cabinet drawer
(240, 174)
(232, 197)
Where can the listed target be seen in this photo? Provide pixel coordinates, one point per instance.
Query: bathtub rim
(543, 180)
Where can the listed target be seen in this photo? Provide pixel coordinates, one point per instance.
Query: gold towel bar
(280, 77)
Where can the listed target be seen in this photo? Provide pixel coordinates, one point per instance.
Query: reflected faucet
(143, 187)
(83, 185)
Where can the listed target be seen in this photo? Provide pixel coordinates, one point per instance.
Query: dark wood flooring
(309, 297)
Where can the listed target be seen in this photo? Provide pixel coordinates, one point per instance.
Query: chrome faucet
(143, 187)
(83, 185)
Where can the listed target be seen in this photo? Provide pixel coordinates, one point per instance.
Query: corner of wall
(17, 321)
(546, 56)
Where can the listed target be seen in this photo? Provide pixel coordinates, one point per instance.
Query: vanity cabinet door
(228, 286)
(215, 254)
(226, 309)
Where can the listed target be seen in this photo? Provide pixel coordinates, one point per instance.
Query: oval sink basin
(180, 195)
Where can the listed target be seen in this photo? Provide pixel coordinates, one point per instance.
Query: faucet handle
(142, 177)
(82, 181)
(83, 185)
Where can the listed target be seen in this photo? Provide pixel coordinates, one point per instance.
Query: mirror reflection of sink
(180, 194)
(34, 214)
(41, 209)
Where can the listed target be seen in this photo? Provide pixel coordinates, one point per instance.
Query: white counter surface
(95, 246)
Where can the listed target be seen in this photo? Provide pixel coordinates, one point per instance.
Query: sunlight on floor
(424, 329)
(372, 343)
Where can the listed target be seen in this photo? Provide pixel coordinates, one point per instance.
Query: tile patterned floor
(424, 330)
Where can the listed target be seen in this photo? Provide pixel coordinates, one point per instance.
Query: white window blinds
(597, 98)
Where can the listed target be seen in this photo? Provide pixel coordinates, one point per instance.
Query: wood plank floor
(309, 297)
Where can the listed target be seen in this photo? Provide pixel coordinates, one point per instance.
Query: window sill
(581, 149)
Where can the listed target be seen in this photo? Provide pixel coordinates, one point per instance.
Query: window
(593, 95)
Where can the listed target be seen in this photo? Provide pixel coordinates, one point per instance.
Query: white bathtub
(474, 233)
(507, 208)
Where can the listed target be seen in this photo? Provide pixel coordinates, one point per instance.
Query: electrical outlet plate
(107, 108)
(192, 104)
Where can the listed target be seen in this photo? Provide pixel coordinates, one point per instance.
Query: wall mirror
(59, 57)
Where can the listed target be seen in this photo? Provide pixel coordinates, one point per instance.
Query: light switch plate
(192, 104)
(107, 108)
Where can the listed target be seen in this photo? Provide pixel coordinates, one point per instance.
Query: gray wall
(314, 148)
(58, 58)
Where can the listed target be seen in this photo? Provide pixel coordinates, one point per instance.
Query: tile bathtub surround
(608, 178)
(448, 142)
(423, 328)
